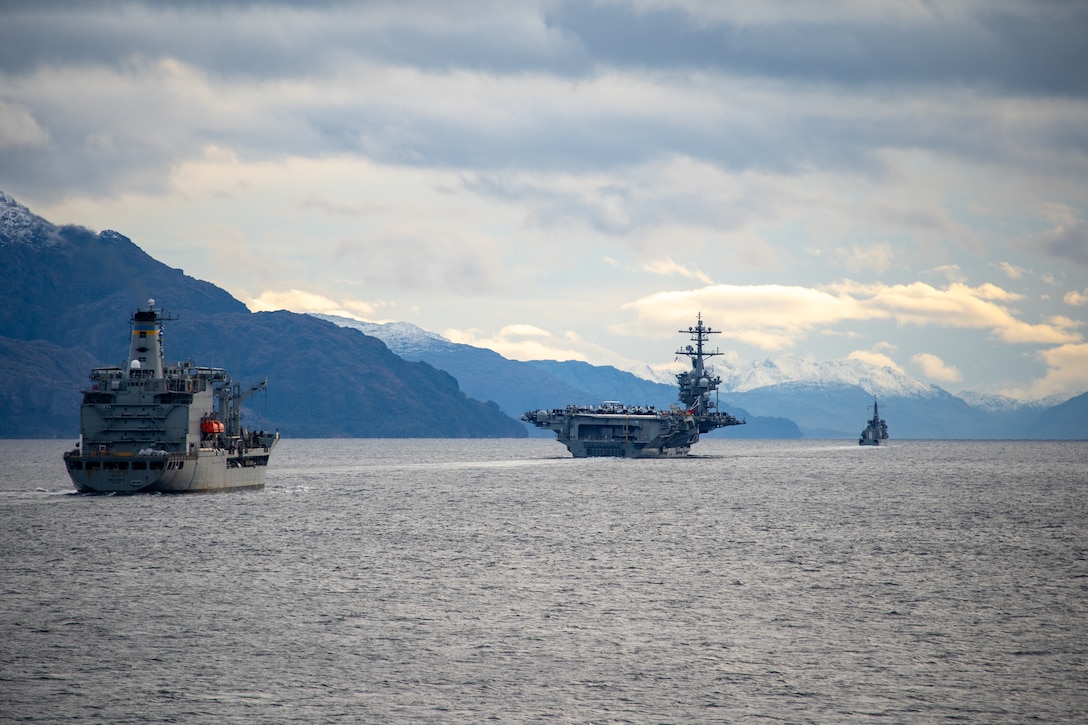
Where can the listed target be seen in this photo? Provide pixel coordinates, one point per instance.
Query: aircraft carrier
(618, 430)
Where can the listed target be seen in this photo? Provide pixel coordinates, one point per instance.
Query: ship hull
(595, 449)
(589, 435)
(206, 471)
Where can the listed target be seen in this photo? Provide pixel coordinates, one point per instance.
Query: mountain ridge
(67, 294)
(874, 379)
(825, 399)
(522, 386)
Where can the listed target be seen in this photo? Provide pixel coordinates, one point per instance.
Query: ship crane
(231, 397)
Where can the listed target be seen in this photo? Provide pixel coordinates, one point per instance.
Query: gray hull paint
(875, 431)
(203, 472)
(153, 427)
(588, 435)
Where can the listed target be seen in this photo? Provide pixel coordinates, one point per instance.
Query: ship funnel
(145, 349)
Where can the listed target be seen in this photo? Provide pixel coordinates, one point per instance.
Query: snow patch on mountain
(403, 338)
(18, 225)
(665, 374)
(881, 382)
(992, 403)
(111, 237)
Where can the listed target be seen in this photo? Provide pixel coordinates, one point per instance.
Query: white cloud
(958, 306)
(875, 358)
(1011, 270)
(523, 330)
(667, 267)
(774, 317)
(1076, 298)
(935, 368)
(771, 317)
(519, 342)
(530, 342)
(304, 302)
(1067, 372)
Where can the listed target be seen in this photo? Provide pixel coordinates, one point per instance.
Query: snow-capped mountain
(1004, 404)
(19, 225)
(819, 399)
(879, 381)
(662, 374)
(882, 382)
(403, 338)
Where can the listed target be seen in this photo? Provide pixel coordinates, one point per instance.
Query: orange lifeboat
(211, 427)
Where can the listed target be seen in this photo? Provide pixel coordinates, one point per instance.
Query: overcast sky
(904, 182)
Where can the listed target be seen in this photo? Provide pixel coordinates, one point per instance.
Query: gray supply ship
(614, 429)
(875, 431)
(163, 428)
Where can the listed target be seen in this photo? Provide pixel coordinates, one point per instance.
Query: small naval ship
(617, 430)
(153, 427)
(875, 431)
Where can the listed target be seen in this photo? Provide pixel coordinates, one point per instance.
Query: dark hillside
(39, 389)
(66, 296)
(1068, 421)
(326, 381)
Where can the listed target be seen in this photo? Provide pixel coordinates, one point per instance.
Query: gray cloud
(287, 39)
(1027, 48)
(779, 95)
(1069, 244)
(1039, 49)
(622, 208)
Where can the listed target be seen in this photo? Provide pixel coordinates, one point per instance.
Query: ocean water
(437, 581)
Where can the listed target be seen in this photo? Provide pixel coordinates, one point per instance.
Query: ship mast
(697, 384)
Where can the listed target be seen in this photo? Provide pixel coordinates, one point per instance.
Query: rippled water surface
(468, 581)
